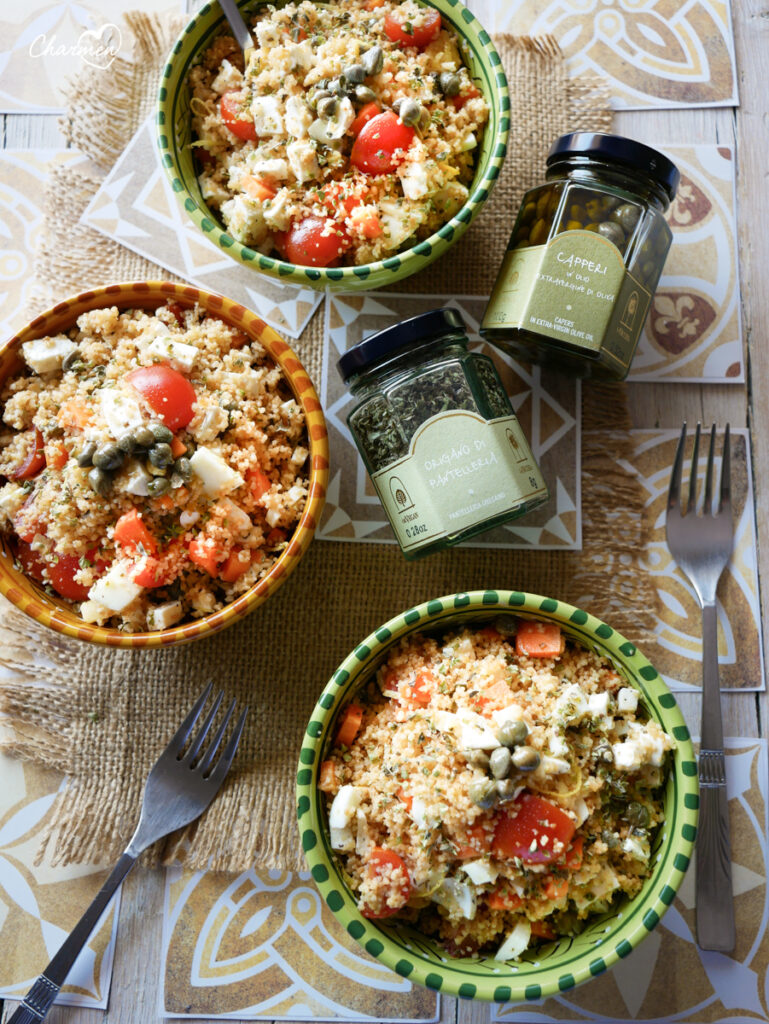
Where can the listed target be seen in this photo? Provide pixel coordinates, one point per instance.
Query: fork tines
(724, 494)
(203, 763)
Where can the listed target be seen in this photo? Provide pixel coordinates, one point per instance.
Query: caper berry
(626, 216)
(337, 86)
(160, 455)
(354, 74)
(100, 481)
(183, 467)
(70, 359)
(478, 758)
(85, 458)
(327, 107)
(505, 625)
(637, 814)
(160, 432)
(512, 734)
(363, 94)
(449, 83)
(506, 789)
(613, 232)
(127, 443)
(500, 763)
(410, 111)
(108, 456)
(157, 486)
(526, 759)
(483, 793)
(373, 60)
(144, 437)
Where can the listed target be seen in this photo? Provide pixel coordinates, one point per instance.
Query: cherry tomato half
(34, 461)
(532, 820)
(29, 560)
(237, 118)
(167, 392)
(380, 138)
(308, 243)
(401, 30)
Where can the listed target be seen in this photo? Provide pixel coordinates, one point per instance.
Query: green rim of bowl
(173, 137)
(560, 965)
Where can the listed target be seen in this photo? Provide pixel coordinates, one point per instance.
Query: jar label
(567, 290)
(460, 471)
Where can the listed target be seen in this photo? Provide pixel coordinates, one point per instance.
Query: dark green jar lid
(384, 344)
(616, 149)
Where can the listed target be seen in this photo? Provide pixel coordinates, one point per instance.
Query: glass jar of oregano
(437, 433)
(585, 256)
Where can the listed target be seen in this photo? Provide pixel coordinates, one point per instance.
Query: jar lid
(622, 151)
(383, 344)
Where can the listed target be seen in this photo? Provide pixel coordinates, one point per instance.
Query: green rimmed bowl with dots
(174, 135)
(556, 966)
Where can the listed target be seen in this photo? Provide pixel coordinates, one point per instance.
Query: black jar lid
(623, 151)
(386, 343)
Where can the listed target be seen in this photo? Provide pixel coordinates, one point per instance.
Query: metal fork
(179, 788)
(702, 544)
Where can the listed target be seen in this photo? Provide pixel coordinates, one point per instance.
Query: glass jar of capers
(585, 256)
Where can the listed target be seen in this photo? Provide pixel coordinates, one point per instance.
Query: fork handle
(713, 883)
(41, 996)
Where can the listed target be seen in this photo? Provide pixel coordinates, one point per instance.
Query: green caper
(161, 433)
(337, 86)
(637, 814)
(108, 456)
(127, 443)
(363, 94)
(424, 120)
(449, 83)
(316, 96)
(144, 437)
(100, 481)
(603, 752)
(483, 793)
(159, 485)
(613, 232)
(528, 212)
(410, 111)
(500, 762)
(70, 359)
(373, 60)
(183, 467)
(505, 624)
(526, 759)
(513, 733)
(506, 789)
(160, 455)
(478, 758)
(626, 216)
(354, 74)
(594, 209)
(85, 458)
(327, 107)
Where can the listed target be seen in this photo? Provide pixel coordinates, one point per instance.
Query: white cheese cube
(635, 848)
(229, 79)
(116, 590)
(627, 699)
(414, 179)
(512, 713)
(272, 516)
(136, 479)
(163, 616)
(267, 33)
(180, 355)
(277, 212)
(213, 421)
(271, 167)
(267, 114)
(12, 497)
(237, 520)
(92, 611)
(245, 219)
(344, 805)
(303, 160)
(627, 755)
(213, 472)
(120, 410)
(44, 355)
(341, 839)
(398, 222)
(301, 56)
(558, 745)
(571, 705)
(598, 703)
(299, 117)
(482, 872)
(474, 738)
(555, 765)
(424, 819)
(300, 456)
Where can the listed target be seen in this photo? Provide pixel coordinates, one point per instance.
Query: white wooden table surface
(136, 976)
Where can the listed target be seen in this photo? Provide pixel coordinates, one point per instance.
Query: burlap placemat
(101, 716)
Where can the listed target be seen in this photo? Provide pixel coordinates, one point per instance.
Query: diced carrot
(371, 5)
(259, 482)
(367, 222)
(496, 696)
(364, 115)
(176, 307)
(489, 633)
(352, 716)
(419, 692)
(56, 455)
(475, 842)
(539, 639)
(542, 930)
(504, 899)
(178, 447)
(204, 554)
(574, 854)
(74, 415)
(405, 798)
(275, 536)
(337, 196)
(239, 339)
(556, 888)
(327, 781)
(234, 567)
(459, 101)
(257, 188)
(131, 534)
(165, 502)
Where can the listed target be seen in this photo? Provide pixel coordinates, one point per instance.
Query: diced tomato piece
(489, 633)
(167, 392)
(385, 863)
(257, 188)
(132, 535)
(259, 482)
(313, 242)
(371, 5)
(475, 842)
(204, 554)
(542, 930)
(350, 723)
(575, 853)
(34, 461)
(420, 691)
(274, 537)
(74, 415)
(176, 307)
(204, 158)
(29, 560)
(233, 568)
(367, 222)
(401, 30)
(62, 575)
(56, 455)
(405, 799)
(520, 831)
(366, 112)
(469, 94)
(150, 572)
(556, 888)
(338, 198)
(237, 117)
(327, 780)
(373, 152)
(504, 899)
(535, 639)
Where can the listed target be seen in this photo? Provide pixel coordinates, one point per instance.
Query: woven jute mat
(101, 716)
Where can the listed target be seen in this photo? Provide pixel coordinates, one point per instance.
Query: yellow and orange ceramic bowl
(50, 611)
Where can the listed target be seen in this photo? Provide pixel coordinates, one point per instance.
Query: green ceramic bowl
(559, 965)
(174, 135)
